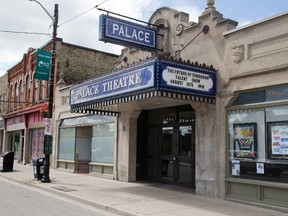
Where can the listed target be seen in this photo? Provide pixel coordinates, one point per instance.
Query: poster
(244, 139)
(260, 168)
(279, 140)
(235, 168)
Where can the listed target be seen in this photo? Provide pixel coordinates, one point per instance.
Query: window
(258, 143)
(5, 102)
(41, 90)
(11, 97)
(67, 143)
(1, 108)
(102, 149)
(21, 92)
(27, 89)
(35, 92)
(16, 92)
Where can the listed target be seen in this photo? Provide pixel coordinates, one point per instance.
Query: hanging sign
(122, 32)
(43, 65)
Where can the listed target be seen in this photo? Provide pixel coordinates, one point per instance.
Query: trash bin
(38, 168)
(6, 161)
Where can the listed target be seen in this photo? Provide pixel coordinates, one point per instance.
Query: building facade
(3, 106)
(27, 97)
(172, 126)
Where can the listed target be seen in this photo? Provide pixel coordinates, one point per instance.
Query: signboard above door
(125, 33)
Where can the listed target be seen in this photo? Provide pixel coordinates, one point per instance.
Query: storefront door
(177, 162)
(168, 152)
(15, 144)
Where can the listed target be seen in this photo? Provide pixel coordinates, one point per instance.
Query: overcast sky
(28, 16)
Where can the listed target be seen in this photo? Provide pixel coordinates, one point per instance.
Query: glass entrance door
(166, 145)
(177, 154)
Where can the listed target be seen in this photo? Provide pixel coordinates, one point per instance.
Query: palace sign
(125, 33)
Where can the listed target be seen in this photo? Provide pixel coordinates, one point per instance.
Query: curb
(106, 208)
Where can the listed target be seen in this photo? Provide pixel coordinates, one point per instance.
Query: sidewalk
(134, 199)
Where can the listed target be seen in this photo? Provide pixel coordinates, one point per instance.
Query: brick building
(23, 123)
(3, 105)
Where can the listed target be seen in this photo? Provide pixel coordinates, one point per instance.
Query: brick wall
(79, 64)
(3, 93)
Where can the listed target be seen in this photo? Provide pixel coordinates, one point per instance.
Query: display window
(258, 143)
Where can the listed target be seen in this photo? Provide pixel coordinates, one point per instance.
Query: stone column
(127, 146)
(206, 151)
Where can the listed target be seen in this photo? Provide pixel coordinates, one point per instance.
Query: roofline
(68, 44)
(255, 23)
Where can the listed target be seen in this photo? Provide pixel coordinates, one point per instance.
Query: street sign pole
(48, 138)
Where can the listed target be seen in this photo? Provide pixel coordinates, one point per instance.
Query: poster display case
(278, 140)
(245, 140)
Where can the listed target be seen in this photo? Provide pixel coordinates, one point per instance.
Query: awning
(153, 78)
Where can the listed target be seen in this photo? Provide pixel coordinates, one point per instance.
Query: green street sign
(43, 65)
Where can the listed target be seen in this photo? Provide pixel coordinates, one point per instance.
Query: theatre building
(206, 109)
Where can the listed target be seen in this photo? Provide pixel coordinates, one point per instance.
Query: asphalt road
(16, 199)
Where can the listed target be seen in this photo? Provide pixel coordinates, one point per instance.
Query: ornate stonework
(237, 53)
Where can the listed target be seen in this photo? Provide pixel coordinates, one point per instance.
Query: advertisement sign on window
(244, 139)
(278, 139)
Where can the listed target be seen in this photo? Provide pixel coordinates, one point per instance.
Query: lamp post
(46, 177)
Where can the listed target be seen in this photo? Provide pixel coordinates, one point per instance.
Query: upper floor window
(11, 97)
(21, 92)
(41, 90)
(4, 105)
(16, 92)
(28, 89)
(1, 102)
(35, 92)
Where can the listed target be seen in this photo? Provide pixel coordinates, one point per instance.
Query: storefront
(25, 135)
(15, 133)
(154, 102)
(174, 125)
(86, 145)
(258, 146)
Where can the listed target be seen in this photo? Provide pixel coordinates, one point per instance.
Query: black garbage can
(38, 168)
(6, 161)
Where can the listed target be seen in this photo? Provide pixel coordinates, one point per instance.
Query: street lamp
(46, 178)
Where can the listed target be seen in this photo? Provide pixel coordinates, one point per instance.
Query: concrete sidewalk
(134, 198)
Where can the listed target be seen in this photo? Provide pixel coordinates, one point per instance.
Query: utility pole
(48, 139)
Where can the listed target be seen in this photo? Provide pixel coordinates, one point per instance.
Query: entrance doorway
(166, 145)
(15, 144)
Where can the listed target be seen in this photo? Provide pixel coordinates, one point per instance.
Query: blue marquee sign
(122, 32)
(149, 76)
(114, 84)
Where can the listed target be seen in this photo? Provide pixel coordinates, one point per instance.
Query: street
(17, 199)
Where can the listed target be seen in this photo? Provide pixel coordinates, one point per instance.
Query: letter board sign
(125, 33)
(186, 78)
